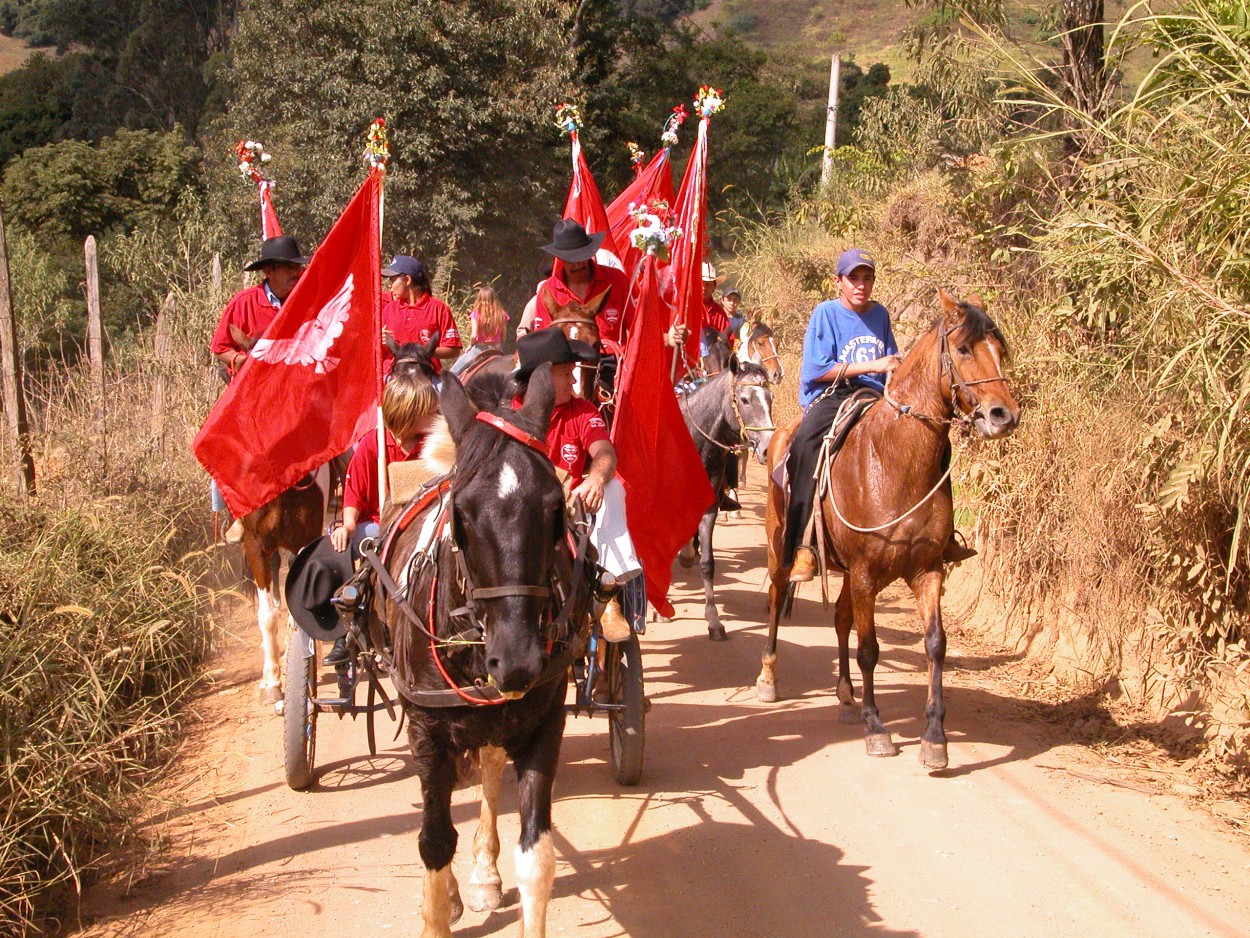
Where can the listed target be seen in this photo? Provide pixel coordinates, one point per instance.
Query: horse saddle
(847, 416)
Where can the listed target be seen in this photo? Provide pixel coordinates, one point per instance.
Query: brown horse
(887, 511)
(760, 348)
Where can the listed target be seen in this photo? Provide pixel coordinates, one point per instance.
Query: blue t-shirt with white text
(838, 334)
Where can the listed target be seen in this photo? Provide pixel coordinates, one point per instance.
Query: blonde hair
(490, 314)
(406, 400)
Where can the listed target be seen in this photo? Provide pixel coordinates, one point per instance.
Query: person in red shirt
(578, 443)
(408, 404)
(714, 315)
(412, 314)
(251, 311)
(581, 280)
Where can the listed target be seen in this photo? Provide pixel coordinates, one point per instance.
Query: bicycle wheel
(626, 726)
(299, 716)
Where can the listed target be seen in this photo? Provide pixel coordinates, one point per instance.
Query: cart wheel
(299, 731)
(627, 726)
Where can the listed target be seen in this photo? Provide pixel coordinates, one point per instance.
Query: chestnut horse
(887, 508)
(760, 348)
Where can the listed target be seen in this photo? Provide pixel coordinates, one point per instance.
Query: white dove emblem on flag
(313, 340)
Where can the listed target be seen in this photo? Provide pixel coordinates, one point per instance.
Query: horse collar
(514, 431)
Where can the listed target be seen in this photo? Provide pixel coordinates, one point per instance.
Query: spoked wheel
(627, 726)
(299, 716)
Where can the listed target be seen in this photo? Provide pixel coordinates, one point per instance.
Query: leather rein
(480, 692)
(743, 427)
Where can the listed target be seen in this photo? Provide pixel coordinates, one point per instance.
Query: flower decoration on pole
(568, 118)
(675, 120)
(378, 145)
(251, 156)
(709, 101)
(636, 156)
(653, 234)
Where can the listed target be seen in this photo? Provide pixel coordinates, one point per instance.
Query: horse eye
(964, 351)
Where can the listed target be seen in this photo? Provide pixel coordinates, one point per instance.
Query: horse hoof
(279, 708)
(879, 745)
(848, 714)
(717, 633)
(484, 897)
(765, 691)
(457, 907)
(933, 755)
(269, 696)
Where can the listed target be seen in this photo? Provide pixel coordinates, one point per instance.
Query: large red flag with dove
(666, 486)
(252, 156)
(689, 250)
(584, 204)
(296, 402)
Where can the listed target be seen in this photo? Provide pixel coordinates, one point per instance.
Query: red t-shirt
(714, 316)
(416, 322)
(610, 313)
(575, 427)
(360, 485)
(248, 310)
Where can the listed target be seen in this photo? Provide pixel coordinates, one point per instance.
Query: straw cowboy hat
(709, 274)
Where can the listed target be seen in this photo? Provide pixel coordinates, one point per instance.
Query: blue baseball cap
(405, 266)
(855, 257)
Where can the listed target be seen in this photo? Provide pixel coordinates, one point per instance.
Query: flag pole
(377, 152)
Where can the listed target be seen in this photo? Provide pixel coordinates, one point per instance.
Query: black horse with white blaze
(484, 621)
(732, 408)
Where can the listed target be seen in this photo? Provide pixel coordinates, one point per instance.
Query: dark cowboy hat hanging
(279, 250)
(571, 243)
(316, 572)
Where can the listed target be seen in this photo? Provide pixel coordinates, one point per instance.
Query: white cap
(709, 273)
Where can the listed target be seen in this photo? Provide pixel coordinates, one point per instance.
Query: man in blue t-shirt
(849, 345)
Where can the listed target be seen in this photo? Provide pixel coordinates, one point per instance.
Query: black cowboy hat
(279, 250)
(550, 345)
(316, 572)
(569, 241)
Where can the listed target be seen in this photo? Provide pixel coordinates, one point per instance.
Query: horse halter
(743, 427)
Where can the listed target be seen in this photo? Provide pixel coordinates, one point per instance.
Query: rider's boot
(804, 568)
(338, 653)
(612, 621)
(957, 550)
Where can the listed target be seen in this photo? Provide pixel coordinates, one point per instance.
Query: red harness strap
(515, 432)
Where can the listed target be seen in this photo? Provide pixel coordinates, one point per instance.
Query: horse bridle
(743, 427)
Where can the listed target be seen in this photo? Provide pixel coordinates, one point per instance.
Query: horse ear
(540, 398)
(241, 338)
(975, 300)
(595, 303)
(432, 346)
(391, 345)
(548, 301)
(733, 364)
(454, 402)
(949, 306)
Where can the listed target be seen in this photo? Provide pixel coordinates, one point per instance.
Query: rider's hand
(591, 494)
(341, 536)
(888, 363)
(676, 335)
(387, 335)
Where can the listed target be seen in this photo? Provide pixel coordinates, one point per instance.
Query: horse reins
(743, 427)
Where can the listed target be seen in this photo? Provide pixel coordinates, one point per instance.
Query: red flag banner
(666, 486)
(306, 383)
(269, 227)
(585, 205)
(687, 252)
(655, 182)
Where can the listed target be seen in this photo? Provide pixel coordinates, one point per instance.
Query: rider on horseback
(413, 315)
(578, 444)
(849, 345)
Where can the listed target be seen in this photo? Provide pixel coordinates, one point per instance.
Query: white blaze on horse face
(508, 481)
(535, 872)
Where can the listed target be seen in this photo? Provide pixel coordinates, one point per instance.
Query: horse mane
(759, 329)
(752, 370)
(480, 445)
(977, 325)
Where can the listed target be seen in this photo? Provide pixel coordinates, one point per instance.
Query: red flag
(585, 205)
(269, 227)
(666, 486)
(295, 403)
(687, 262)
(654, 182)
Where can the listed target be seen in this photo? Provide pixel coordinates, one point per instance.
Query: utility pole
(831, 119)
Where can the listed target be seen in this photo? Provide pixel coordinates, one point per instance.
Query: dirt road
(750, 820)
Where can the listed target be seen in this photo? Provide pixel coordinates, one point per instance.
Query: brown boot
(804, 568)
(612, 621)
(957, 551)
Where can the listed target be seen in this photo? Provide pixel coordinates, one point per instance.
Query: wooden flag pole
(378, 154)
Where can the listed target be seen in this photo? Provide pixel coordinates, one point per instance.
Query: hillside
(13, 52)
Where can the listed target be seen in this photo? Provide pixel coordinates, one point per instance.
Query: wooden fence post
(11, 372)
(162, 347)
(95, 328)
